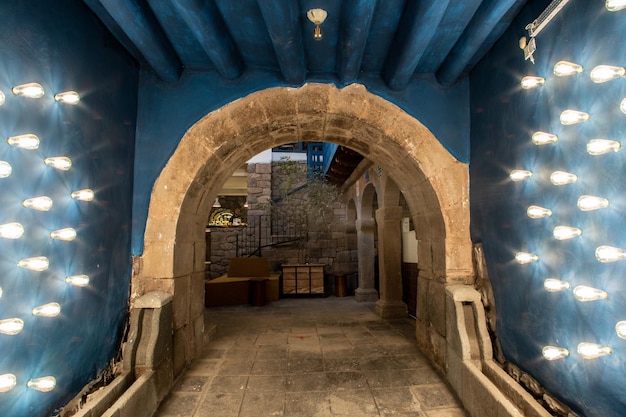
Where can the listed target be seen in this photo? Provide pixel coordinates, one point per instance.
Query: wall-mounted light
(62, 163)
(11, 327)
(555, 285)
(5, 169)
(520, 175)
(572, 117)
(584, 293)
(36, 263)
(7, 382)
(81, 280)
(11, 230)
(530, 82)
(615, 5)
(566, 232)
(620, 329)
(525, 257)
(604, 73)
(47, 310)
(216, 203)
(67, 234)
(610, 254)
(562, 178)
(43, 384)
(317, 16)
(593, 350)
(544, 138)
(553, 353)
(42, 203)
(537, 212)
(67, 97)
(602, 146)
(566, 68)
(30, 90)
(86, 194)
(27, 141)
(591, 202)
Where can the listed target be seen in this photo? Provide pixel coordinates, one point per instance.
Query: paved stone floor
(306, 357)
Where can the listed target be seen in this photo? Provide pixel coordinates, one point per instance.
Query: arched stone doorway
(433, 182)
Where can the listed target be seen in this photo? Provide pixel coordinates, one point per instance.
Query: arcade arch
(433, 182)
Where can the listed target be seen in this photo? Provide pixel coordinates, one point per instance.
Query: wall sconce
(216, 203)
(317, 16)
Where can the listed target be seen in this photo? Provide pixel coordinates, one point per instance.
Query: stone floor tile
(178, 405)
(305, 352)
(267, 352)
(218, 404)
(205, 367)
(307, 404)
(345, 381)
(190, 383)
(424, 375)
(341, 364)
(306, 365)
(353, 403)
(398, 399)
(386, 378)
(262, 404)
(307, 382)
(265, 383)
(447, 412)
(435, 396)
(235, 383)
(272, 339)
(235, 367)
(270, 367)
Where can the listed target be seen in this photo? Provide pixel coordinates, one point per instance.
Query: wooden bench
(234, 287)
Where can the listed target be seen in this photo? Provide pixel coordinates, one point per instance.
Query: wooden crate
(303, 279)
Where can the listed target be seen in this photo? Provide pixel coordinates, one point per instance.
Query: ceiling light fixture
(317, 16)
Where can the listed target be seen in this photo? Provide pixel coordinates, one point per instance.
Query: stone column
(366, 260)
(390, 303)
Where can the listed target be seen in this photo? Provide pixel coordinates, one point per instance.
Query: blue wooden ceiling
(394, 39)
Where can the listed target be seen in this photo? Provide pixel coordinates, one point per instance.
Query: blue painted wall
(167, 111)
(503, 118)
(62, 46)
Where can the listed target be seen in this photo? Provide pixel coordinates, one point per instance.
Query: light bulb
(604, 73)
(553, 353)
(566, 232)
(565, 68)
(1, 98)
(67, 97)
(620, 329)
(615, 5)
(590, 202)
(602, 146)
(584, 293)
(543, 138)
(30, 90)
(562, 178)
(78, 280)
(11, 230)
(610, 254)
(525, 257)
(622, 105)
(43, 384)
(572, 117)
(66, 234)
(11, 326)
(83, 195)
(27, 141)
(520, 175)
(47, 310)
(5, 169)
(529, 82)
(62, 163)
(7, 382)
(593, 350)
(37, 263)
(536, 212)
(555, 285)
(42, 203)
(0, 292)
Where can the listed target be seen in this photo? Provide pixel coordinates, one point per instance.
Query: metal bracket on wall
(537, 25)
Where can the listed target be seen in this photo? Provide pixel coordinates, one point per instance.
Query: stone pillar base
(390, 310)
(365, 295)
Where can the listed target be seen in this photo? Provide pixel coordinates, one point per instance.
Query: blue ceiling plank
(487, 17)
(356, 20)
(142, 29)
(417, 28)
(208, 27)
(282, 19)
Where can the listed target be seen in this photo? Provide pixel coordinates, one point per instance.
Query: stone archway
(434, 183)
